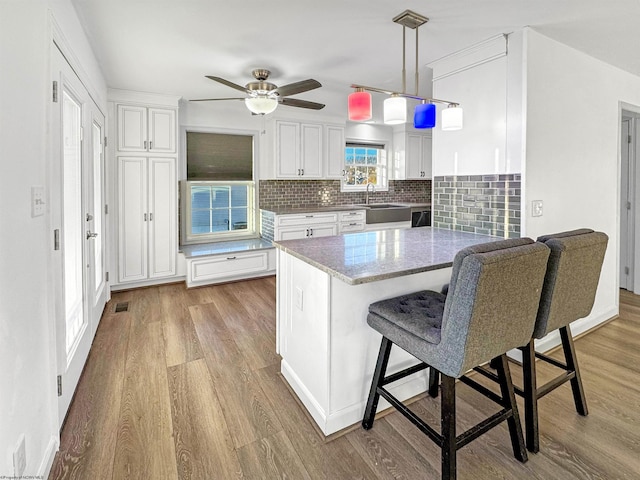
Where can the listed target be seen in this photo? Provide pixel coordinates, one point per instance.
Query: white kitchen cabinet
(146, 129)
(334, 146)
(296, 226)
(351, 221)
(412, 153)
(230, 266)
(298, 150)
(147, 212)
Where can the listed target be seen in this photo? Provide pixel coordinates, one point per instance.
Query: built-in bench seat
(218, 262)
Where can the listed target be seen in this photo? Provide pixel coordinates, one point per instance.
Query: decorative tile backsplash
(484, 204)
(277, 194)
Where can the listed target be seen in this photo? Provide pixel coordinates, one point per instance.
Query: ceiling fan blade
(297, 87)
(214, 99)
(227, 83)
(295, 102)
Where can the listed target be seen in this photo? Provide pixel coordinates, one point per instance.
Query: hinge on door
(628, 205)
(106, 209)
(81, 133)
(626, 270)
(55, 91)
(106, 276)
(56, 239)
(628, 138)
(59, 385)
(105, 141)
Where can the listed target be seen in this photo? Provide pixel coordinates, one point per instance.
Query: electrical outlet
(536, 208)
(20, 457)
(37, 201)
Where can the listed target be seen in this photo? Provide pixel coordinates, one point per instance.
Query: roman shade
(219, 157)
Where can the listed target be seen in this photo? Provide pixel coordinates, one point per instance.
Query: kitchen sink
(386, 213)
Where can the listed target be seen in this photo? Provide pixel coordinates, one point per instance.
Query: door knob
(91, 235)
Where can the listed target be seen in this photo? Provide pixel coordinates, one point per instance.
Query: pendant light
(395, 107)
(452, 118)
(395, 110)
(360, 106)
(424, 115)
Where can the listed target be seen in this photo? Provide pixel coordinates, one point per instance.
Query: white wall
(28, 398)
(572, 149)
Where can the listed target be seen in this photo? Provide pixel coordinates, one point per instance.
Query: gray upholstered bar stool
(491, 308)
(568, 294)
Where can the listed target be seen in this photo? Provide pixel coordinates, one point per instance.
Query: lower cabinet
(147, 212)
(352, 221)
(230, 266)
(296, 226)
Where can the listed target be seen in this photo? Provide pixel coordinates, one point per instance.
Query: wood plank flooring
(186, 385)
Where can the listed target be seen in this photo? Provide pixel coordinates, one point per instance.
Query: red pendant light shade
(360, 106)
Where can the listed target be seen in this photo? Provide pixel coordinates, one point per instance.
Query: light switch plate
(536, 208)
(37, 201)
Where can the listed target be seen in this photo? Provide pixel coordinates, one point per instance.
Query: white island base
(328, 350)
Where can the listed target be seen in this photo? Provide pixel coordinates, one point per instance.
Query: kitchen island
(324, 288)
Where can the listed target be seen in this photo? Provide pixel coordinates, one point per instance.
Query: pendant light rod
(404, 64)
(405, 95)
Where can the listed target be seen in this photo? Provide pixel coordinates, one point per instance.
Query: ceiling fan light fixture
(261, 105)
(395, 110)
(359, 106)
(424, 115)
(452, 118)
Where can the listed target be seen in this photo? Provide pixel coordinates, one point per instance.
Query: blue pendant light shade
(424, 115)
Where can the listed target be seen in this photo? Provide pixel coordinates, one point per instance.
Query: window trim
(381, 145)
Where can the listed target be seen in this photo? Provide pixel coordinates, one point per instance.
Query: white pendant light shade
(261, 105)
(452, 118)
(395, 110)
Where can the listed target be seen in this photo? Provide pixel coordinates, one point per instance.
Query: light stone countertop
(215, 248)
(364, 257)
(337, 208)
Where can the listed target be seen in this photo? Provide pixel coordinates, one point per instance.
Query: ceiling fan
(263, 97)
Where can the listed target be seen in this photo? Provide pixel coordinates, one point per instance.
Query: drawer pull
(231, 258)
(353, 224)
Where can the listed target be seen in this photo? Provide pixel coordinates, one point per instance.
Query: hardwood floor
(186, 385)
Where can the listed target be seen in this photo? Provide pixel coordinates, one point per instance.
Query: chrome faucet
(373, 190)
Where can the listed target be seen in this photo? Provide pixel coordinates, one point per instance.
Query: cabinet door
(287, 149)
(133, 218)
(323, 230)
(427, 157)
(414, 156)
(292, 233)
(132, 128)
(162, 130)
(162, 217)
(335, 151)
(311, 150)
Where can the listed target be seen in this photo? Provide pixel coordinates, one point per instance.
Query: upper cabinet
(412, 155)
(146, 129)
(303, 149)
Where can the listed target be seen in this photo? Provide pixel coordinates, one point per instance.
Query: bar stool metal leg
(509, 398)
(572, 366)
(378, 377)
(530, 397)
(448, 427)
(434, 380)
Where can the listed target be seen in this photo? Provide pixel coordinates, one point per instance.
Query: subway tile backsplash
(277, 194)
(485, 204)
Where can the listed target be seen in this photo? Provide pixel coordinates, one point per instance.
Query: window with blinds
(218, 197)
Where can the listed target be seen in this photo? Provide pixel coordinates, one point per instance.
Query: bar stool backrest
(572, 278)
(492, 302)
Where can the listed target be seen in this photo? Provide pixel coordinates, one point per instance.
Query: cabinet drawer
(227, 266)
(352, 216)
(352, 227)
(306, 219)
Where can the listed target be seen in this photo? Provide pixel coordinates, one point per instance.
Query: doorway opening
(629, 198)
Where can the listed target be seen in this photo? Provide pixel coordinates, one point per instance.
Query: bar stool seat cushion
(417, 314)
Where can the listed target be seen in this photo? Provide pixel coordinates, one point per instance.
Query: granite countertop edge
(338, 208)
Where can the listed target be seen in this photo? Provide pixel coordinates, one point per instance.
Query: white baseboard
(49, 455)
(147, 283)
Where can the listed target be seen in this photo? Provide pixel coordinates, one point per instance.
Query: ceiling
(168, 46)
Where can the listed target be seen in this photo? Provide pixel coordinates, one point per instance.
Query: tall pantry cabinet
(146, 182)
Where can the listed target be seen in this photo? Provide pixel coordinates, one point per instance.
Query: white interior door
(77, 197)
(626, 207)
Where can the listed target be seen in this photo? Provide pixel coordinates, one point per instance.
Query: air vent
(122, 307)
